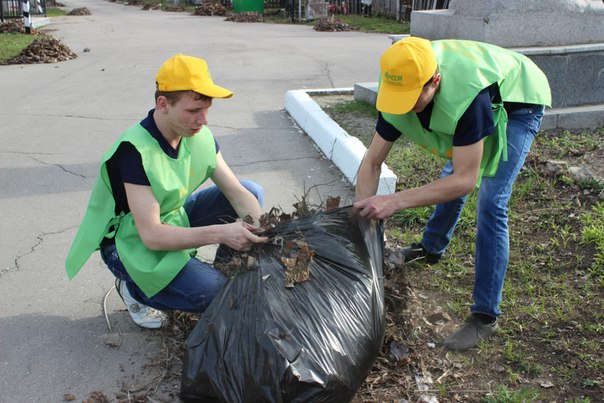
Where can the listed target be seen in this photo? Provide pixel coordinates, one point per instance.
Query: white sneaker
(141, 314)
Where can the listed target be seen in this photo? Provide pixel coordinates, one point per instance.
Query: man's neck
(172, 138)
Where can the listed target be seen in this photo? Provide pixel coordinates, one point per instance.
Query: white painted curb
(344, 150)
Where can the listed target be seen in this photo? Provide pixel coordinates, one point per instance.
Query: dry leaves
(333, 24)
(297, 260)
(79, 11)
(210, 8)
(248, 16)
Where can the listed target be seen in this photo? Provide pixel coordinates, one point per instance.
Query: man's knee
(254, 189)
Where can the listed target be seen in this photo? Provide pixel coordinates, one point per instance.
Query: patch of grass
(593, 233)
(55, 12)
(503, 395)
(359, 107)
(11, 44)
(377, 24)
(558, 144)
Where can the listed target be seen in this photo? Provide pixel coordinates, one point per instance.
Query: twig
(452, 391)
(105, 308)
(444, 375)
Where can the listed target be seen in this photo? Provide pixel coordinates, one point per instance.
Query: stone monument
(565, 38)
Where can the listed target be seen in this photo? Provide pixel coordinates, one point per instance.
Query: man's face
(427, 94)
(188, 116)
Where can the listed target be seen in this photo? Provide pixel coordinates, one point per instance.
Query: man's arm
(240, 198)
(466, 166)
(160, 236)
(368, 176)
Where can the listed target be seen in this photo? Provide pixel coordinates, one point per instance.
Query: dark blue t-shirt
(475, 124)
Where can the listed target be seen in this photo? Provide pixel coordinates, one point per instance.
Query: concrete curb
(344, 150)
(37, 22)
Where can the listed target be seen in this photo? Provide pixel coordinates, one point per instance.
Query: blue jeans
(492, 238)
(197, 283)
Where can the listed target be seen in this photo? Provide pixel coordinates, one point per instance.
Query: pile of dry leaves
(173, 9)
(248, 16)
(79, 11)
(210, 8)
(333, 24)
(12, 26)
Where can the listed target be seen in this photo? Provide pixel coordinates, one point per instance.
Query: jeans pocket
(530, 117)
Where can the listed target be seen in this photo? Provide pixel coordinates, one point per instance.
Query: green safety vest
(172, 180)
(468, 67)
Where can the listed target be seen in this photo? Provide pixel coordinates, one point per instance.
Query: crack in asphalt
(32, 249)
(57, 165)
(328, 75)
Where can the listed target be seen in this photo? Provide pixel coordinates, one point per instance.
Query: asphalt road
(55, 122)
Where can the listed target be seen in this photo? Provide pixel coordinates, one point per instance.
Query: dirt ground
(550, 363)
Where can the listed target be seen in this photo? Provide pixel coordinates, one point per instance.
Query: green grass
(55, 12)
(503, 395)
(593, 233)
(376, 24)
(11, 44)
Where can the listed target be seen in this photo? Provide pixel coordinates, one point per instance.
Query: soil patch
(546, 356)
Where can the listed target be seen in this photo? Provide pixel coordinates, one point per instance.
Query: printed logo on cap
(394, 79)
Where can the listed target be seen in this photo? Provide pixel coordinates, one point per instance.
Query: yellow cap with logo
(405, 68)
(182, 73)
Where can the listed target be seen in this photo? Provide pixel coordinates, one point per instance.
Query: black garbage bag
(260, 341)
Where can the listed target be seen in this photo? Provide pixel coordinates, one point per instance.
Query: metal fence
(11, 9)
(399, 9)
(295, 9)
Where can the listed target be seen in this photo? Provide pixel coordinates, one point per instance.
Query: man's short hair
(175, 96)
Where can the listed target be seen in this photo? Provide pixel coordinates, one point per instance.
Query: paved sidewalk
(58, 118)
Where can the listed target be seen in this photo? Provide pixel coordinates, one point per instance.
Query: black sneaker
(473, 330)
(416, 251)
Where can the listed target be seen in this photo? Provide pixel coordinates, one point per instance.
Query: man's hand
(376, 207)
(239, 236)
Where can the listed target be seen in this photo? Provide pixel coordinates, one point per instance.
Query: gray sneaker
(470, 334)
(141, 314)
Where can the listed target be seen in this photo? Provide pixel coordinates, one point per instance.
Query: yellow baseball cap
(405, 68)
(181, 73)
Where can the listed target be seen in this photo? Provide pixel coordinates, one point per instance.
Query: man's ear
(161, 104)
(436, 79)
